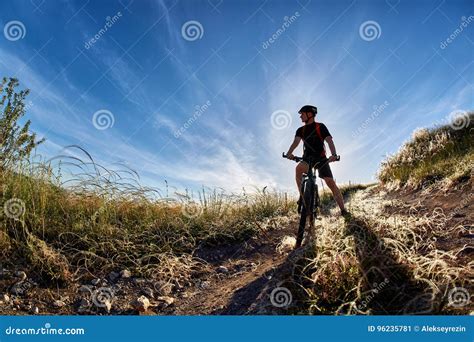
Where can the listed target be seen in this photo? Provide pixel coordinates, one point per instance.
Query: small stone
(107, 305)
(21, 275)
(113, 276)
(222, 269)
(95, 281)
(205, 285)
(125, 274)
(140, 304)
(82, 309)
(139, 281)
(58, 304)
(148, 292)
(5, 298)
(35, 310)
(166, 300)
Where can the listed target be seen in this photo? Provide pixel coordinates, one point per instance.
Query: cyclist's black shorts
(325, 170)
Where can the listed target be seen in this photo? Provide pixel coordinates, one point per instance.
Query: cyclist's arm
(294, 145)
(331, 145)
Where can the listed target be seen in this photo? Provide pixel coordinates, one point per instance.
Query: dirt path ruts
(250, 266)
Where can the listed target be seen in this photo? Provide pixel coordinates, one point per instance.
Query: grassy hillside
(400, 252)
(431, 155)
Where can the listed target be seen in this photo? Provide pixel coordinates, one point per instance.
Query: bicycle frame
(310, 197)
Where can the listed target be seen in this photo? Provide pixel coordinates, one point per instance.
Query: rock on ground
(140, 304)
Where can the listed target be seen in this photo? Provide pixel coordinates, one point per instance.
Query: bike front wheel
(307, 209)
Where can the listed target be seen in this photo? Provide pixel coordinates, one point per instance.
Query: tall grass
(75, 218)
(432, 155)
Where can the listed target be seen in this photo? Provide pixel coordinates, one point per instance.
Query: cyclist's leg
(335, 192)
(301, 168)
(326, 174)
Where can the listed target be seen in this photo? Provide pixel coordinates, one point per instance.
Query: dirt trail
(255, 268)
(240, 274)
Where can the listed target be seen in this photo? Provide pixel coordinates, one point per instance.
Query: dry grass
(379, 263)
(432, 155)
(86, 220)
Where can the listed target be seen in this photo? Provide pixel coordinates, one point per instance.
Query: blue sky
(206, 93)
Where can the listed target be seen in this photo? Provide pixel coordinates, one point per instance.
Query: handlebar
(295, 158)
(298, 159)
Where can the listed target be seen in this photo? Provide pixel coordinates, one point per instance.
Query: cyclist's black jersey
(313, 136)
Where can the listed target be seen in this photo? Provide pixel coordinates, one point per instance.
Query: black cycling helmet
(308, 109)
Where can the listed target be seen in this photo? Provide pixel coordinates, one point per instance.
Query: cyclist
(314, 134)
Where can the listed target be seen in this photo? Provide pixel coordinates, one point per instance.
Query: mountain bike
(309, 198)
